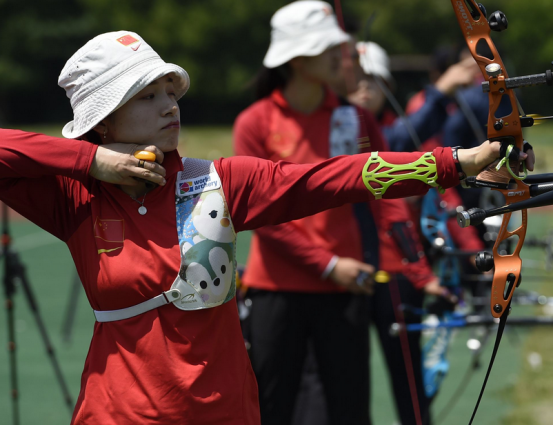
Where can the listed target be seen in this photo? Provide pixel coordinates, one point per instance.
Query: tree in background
(221, 43)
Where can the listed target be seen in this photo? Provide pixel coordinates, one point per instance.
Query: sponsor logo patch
(186, 187)
(198, 185)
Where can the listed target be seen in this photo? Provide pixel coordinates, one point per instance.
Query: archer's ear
(296, 63)
(101, 128)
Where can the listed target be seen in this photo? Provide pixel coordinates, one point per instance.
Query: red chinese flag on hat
(127, 40)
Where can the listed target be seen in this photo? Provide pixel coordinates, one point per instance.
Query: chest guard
(207, 239)
(344, 131)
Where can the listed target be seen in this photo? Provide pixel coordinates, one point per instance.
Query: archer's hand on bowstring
(475, 160)
(346, 272)
(116, 163)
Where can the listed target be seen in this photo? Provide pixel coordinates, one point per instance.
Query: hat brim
(102, 102)
(311, 44)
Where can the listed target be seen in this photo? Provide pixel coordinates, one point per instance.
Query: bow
(504, 176)
(434, 217)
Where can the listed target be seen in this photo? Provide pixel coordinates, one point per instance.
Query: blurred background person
(425, 121)
(303, 276)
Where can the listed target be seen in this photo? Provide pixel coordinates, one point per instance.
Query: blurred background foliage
(221, 43)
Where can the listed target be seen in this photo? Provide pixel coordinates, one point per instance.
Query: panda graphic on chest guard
(208, 267)
(207, 245)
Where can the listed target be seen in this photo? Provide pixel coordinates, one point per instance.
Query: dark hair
(350, 24)
(269, 79)
(92, 137)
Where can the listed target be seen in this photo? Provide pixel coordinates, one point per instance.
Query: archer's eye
(203, 284)
(213, 214)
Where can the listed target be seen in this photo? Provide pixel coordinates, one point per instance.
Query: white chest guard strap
(132, 311)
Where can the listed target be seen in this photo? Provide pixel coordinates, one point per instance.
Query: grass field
(519, 391)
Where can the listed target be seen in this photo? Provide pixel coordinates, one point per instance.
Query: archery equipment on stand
(434, 217)
(461, 321)
(441, 324)
(504, 176)
(14, 274)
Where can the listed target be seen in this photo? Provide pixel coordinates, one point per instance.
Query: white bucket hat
(302, 28)
(108, 71)
(374, 60)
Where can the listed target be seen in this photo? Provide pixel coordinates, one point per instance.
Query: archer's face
(368, 95)
(323, 68)
(149, 117)
(350, 71)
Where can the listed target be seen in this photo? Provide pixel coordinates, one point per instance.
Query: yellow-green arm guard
(423, 169)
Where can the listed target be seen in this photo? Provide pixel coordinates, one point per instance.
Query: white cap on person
(374, 60)
(302, 28)
(108, 71)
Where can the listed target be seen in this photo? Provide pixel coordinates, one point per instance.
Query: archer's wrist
(467, 161)
(461, 174)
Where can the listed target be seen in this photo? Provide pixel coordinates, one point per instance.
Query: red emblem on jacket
(108, 234)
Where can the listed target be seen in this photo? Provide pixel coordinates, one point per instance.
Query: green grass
(516, 394)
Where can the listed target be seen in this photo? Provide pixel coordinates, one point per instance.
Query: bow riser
(506, 129)
(477, 35)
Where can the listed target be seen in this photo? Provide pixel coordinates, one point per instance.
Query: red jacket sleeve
(40, 175)
(261, 192)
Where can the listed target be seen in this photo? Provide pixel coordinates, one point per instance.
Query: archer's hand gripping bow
(503, 176)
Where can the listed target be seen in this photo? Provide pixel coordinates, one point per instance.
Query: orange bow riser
(506, 129)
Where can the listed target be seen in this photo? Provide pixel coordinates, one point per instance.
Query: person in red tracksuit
(302, 276)
(157, 262)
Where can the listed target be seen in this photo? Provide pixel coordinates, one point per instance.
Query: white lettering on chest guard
(197, 185)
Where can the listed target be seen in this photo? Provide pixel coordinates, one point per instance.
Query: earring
(105, 131)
